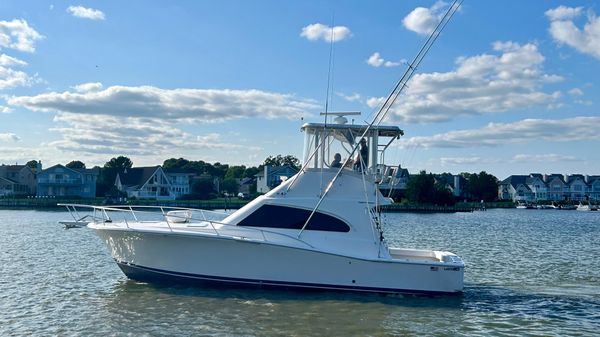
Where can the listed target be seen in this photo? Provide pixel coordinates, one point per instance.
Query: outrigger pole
(396, 91)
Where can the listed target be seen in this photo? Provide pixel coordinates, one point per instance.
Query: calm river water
(529, 272)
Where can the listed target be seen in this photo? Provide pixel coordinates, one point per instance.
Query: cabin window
(272, 216)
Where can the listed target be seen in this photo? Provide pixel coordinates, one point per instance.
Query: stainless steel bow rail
(173, 219)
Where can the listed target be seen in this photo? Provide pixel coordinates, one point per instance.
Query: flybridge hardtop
(320, 229)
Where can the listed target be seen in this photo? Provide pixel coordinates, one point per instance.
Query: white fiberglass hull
(197, 258)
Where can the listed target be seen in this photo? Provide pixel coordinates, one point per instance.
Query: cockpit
(323, 142)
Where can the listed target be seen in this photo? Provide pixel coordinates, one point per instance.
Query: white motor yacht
(292, 236)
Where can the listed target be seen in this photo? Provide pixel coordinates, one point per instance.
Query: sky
(510, 87)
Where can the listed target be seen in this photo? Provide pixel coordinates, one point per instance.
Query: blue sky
(510, 87)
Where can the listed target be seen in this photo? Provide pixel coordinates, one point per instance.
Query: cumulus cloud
(512, 78)
(6, 60)
(86, 13)
(112, 135)
(424, 20)
(147, 121)
(17, 34)
(542, 158)
(355, 97)
(4, 137)
(576, 92)
(202, 105)
(376, 60)
(318, 31)
(88, 87)
(524, 131)
(5, 109)
(564, 30)
(11, 78)
(563, 13)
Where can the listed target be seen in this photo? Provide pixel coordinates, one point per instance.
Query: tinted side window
(292, 218)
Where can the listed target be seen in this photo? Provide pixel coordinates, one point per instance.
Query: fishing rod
(396, 91)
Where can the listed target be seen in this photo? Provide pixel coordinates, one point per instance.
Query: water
(529, 272)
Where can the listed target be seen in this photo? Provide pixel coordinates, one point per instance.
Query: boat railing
(170, 216)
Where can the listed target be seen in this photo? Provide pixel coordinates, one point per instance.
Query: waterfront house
(145, 183)
(180, 181)
(272, 176)
(554, 187)
(17, 180)
(61, 181)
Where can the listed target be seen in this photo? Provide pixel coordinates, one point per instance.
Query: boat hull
(201, 259)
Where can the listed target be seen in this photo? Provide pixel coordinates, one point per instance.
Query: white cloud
(576, 92)
(563, 13)
(355, 97)
(318, 31)
(10, 78)
(524, 131)
(88, 87)
(542, 158)
(454, 161)
(6, 60)
(564, 30)
(86, 13)
(424, 20)
(112, 135)
(480, 84)
(200, 105)
(147, 121)
(377, 61)
(17, 34)
(4, 137)
(5, 109)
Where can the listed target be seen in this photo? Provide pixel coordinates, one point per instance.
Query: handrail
(131, 209)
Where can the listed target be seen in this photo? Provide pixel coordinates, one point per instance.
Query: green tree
(423, 188)
(482, 186)
(108, 174)
(119, 163)
(203, 188)
(230, 185)
(280, 160)
(76, 164)
(235, 172)
(420, 188)
(177, 164)
(251, 172)
(32, 164)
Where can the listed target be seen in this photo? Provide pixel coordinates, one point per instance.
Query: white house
(145, 183)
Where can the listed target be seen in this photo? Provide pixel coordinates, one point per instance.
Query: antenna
(330, 66)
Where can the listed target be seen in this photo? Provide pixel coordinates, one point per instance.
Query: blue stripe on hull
(153, 275)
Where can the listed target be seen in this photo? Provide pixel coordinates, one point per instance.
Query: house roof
(516, 180)
(8, 180)
(94, 170)
(137, 176)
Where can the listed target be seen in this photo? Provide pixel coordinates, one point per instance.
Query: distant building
(17, 180)
(246, 186)
(394, 181)
(554, 187)
(181, 182)
(272, 176)
(145, 183)
(454, 183)
(61, 181)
